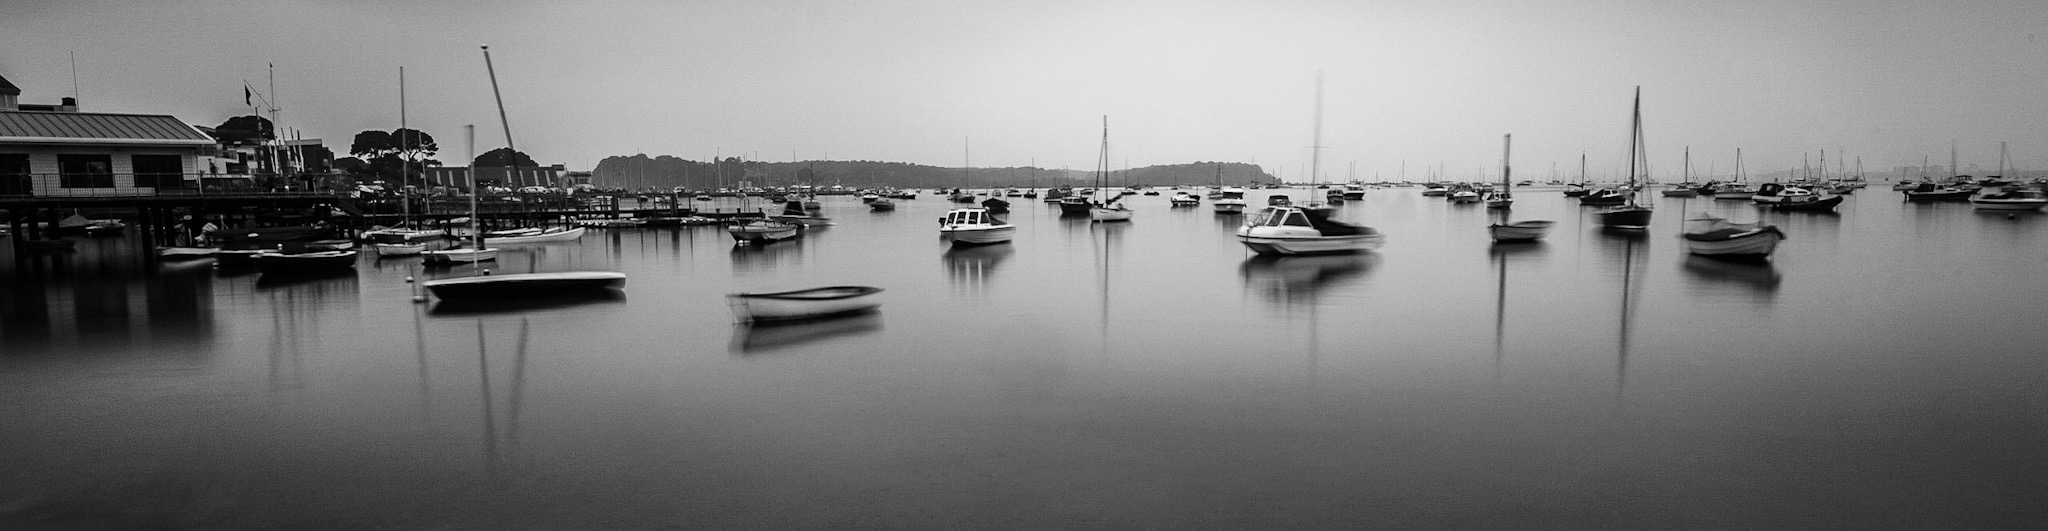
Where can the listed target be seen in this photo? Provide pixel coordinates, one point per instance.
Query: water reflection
(331, 280)
(971, 268)
(761, 258)
(1291, 280)
(1707, 276)
(1501, 252)
(1632, 251)
(779, 336)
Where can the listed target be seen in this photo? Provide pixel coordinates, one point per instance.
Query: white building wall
(42, 165)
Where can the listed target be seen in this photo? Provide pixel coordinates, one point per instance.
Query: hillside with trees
(641, 172)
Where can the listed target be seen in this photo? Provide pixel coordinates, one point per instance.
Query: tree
(244, 130)
(351, 165)
(504, 157)
(414, 145)
(372, 144)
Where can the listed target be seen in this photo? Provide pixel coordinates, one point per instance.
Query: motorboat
(801, 304)
(1733, 192)
(1290, 230)
(1354, 192)
(2011, 198)
(881, 204)
(1463, 193)
(524, 285)
(1713, 236)
(1930, 192)
(1520, 231)
(1604, 196)
(275, 263)
(1184, 199)
(1075, 205)
(1435, 190)
(1823, 202)
(975, 226)
(761, 232)
(1774, 193)
(1229, 200)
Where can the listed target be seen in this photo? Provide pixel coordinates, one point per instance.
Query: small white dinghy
(804, 303)
(1520, 231)
(460, 256)
(400, 249)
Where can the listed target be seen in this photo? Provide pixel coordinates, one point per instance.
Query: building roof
(18, 127)
(8, 89)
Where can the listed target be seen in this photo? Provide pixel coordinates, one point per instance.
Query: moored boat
(762, 232)
(810, 303)
(2011, 198)
(1713, 236)
(975, 226)
(400, 249)
(1293, 230)
(524, 285)
(1520, 231)
(272, 263)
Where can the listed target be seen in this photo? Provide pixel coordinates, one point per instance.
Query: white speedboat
(803, 304)
(460, 256)
(1710, 235)
(1520, 231)
(975, 226)
(1184, 199)
(1305, 230)
(524, 285)
(764, 232)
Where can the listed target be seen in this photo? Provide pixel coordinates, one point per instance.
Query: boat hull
(460, 256)
(1810, 204)
(1287, 241)
(1626, 218)
(524, 285)
(803, 304)
(978, 235)
(764, 232)
(1226, 206)
(401, 249)
(1754, 244)
(1109, 214)
(2008, 205)
(566, 235)
(303, 263)
(1521, 231)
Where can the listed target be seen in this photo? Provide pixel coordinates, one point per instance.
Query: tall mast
(1738, 166)
(1687, 177)
(475, 228)
(511, 159)
(1315, 151)
(1635, 136)
(1582, 167)
(404, 166)
(1507, 143)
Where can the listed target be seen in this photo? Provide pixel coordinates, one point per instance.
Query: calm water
(1885, 370)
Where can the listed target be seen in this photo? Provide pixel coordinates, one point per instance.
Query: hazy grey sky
(1428, 82)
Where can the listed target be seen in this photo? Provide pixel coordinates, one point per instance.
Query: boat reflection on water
(762, 338)
(1301, 279)
(970, 268)
(525, 304)
(750, 258)
(325, 279)
(1708, 276)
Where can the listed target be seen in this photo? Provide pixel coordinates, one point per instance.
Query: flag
(246, 95)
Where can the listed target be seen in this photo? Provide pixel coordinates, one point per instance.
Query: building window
(14, 177)
(159, 171)
(85, 171)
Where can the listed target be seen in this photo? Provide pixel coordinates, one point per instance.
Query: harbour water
(1885, 369)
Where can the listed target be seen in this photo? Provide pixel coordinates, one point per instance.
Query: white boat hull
(566, 235)
(1754, 244)
(1295, 240)
(400, 249)
(2008, 205)
(1228, 206)
(763, 232)
(978, 235)
(1109, 214)
(768, 307)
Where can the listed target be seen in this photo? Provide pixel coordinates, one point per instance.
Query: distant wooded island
(641, 172)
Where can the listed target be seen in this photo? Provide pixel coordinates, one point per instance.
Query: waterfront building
(56, 150)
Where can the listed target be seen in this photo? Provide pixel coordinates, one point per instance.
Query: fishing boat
(275, 263)
(524, 285)
(1630, 216)
(1713, 236)
(975, 226)
(1505, 231)
(1107, 209)
(800, 304)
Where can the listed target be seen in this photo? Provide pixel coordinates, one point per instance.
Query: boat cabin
(1312, 218)
(970, 216)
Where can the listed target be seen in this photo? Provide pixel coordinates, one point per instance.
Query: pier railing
(112, 185)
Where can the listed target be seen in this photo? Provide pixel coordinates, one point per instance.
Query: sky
(1406, 84)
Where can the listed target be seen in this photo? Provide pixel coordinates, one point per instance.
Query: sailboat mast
(511, 159)
(1507, 145)
(475, 228)
(404, 166)
(1635, 136)
(1315, 150)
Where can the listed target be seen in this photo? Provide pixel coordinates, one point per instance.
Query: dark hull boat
(304, 263)
(525, 285)
(1811, 204)
(1626, 218)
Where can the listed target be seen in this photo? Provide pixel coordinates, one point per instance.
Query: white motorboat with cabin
(975, 226)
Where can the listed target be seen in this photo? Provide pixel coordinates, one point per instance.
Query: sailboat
(1504, 197)
(1738, 190)
(405, 240)
(1520, 231)
(476, 252)
(522, 285)
(1630, 215)
(1307, 228)
(762, 231)
(1108, 209)
(1685, 188)
(1228, 199)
